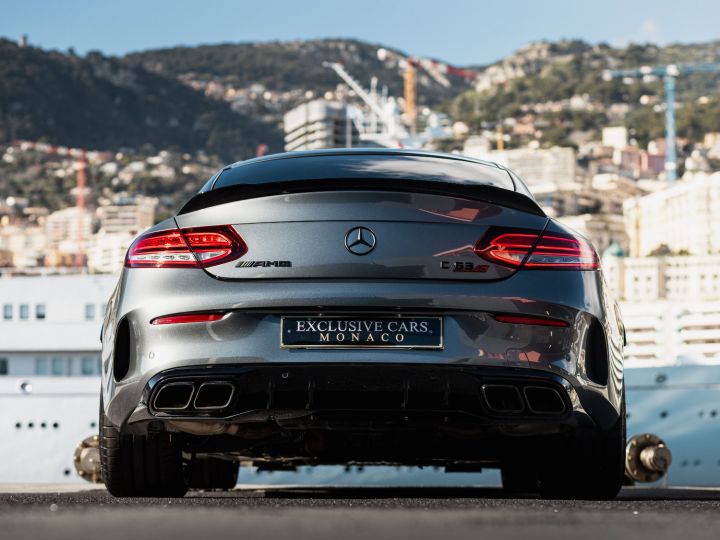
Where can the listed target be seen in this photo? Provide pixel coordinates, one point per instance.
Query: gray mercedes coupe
(362, 307)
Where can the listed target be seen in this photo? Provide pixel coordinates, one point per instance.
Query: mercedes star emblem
(360, 241)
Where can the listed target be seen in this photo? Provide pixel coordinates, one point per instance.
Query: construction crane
(669, 75)
(386, 117)
(80, 191)
(409, 65)
(410, 94)
(436, 70)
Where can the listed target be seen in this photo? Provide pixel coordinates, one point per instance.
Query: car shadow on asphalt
(364, 493)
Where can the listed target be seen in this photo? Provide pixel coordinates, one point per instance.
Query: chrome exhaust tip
(214, 395)
(544, 400)
(174, 396)
(503, 398)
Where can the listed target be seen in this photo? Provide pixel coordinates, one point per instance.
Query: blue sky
(457, 31)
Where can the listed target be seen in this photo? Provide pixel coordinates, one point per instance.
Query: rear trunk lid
(344, 234)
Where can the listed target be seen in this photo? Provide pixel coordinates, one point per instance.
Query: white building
(603, 194)
(106, 252)
(615, 137)
(70, 225)
(476, 146)
(321, 124)
(50, 325)
(601, 229)
(543, 170)
(121, 220)
(684, 217)
(125, 214)
(712, 143)
(670, 306)
(26, 245)
(671, 332)
(595, 209)
(643, 279)
(612, 190)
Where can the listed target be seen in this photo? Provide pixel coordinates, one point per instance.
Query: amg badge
(264, 264)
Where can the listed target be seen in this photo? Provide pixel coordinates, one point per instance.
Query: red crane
(82, 155)
(436, 69)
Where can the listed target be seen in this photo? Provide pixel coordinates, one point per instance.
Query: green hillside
(283, 66)
(98, 102)
(575, 69)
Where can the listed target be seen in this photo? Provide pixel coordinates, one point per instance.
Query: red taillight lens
(215, 245)
(509, 248)
(533, 249)
(165, 249)
(190, 318)
(560, 251)
(186, 248)
(534, 321)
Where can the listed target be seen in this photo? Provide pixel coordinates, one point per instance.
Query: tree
(663, 250)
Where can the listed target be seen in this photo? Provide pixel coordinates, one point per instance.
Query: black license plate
(361, 332)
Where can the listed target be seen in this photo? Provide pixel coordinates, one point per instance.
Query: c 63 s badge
(264, 264)
(463, 266)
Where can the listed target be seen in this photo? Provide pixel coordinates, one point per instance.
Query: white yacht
(49, 372)
(49, 388)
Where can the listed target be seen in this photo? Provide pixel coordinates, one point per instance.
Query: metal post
(670, 143)
(348, 128)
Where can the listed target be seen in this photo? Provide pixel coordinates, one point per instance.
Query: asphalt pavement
(346, 514)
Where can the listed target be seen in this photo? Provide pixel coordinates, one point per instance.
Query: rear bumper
(284, 392)
(248, 337)
(371, 414)
(361, 397)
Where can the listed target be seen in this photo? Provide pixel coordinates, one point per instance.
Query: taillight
(508, 248)
(186, 248)
(215, 245)
(534, 249)
(166, 249)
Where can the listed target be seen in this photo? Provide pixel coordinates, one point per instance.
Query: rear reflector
(534, 249)
(186, 248)
(190, 318)
(535, 321)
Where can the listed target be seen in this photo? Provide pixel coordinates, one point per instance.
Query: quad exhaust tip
(509, 399)
(218, 395)
(213, 396)
(543, 400)
(195, 396)
(503, 398)
(174, 396)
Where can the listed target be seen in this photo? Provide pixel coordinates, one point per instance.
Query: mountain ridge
(140, 100)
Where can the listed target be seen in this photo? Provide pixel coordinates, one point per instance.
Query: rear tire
(213, 473)
(592, 468)
(140, 465)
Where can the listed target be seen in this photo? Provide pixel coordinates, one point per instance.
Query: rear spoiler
(476, 192)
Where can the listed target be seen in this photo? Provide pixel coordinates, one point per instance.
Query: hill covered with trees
(106, 103)
(160, 99)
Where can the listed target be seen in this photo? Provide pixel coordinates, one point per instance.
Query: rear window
(367, 167)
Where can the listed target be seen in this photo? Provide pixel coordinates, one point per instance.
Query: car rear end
(365, 308)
